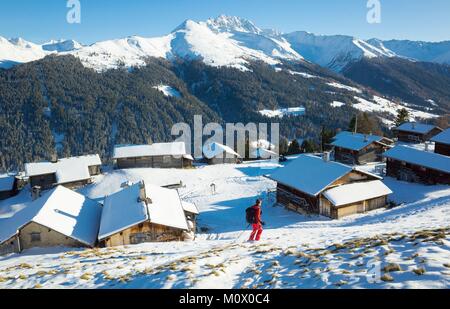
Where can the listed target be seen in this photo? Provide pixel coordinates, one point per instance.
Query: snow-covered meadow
(404, 247)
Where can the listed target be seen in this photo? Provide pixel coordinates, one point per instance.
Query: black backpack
(250, 215)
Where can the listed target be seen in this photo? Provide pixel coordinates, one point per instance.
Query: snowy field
(404, 247)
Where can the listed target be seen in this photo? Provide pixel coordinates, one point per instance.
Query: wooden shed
(413, 165)
(142, 213)
(73, 172)
(60, 217)
(8, 186)
(354, 148)
(314, 185)
(412, 132)
(216, 153)
(442, 143)
(160, 155)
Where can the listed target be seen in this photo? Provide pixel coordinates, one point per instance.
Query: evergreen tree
(294, 148)
(402, 117)
(284, 145)
(308, 146)
(326, 138)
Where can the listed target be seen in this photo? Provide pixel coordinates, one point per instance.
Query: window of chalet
(413, 138)
(35, 237)
(423, 169)
(167, 159)
(403, 163)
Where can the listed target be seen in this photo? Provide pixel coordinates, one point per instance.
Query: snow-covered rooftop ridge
(415, 127)
(310, 174)
(418, 157)
(66, 169)
(442, 138)
(356, 192)
(125, 209)
(355, 141)
(62, 210)
(157, 149)
(213, 150)
(190, 207)
(6, 182)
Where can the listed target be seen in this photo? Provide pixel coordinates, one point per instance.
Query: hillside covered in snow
(407, 246)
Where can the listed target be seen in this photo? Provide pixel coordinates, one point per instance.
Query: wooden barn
(442, 143)
(142, 213)
(8, 186)
(412, 132)
(60, 217)
(216, 153)
(413, 165)
(357, 149)
(313, 185)
(73, 172)
(161, 155)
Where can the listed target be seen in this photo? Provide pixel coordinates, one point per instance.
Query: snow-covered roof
(442, 138)
(123, 209)
(66, 169)
(356, 192)
(355, 141)
(159, 149)
(165, 208)
(418, 157)
(190, 207)
(62, 210)
(415, 127)
(213, 150)
(71, 170)
(6, 182)
(310, 174)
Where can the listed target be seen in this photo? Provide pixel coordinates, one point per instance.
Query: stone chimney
(36, 192)
(427, 146)
(326, 156)
(54, 158)
(126, 184)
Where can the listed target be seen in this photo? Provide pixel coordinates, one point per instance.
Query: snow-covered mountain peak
(61, 45)
(232, 24)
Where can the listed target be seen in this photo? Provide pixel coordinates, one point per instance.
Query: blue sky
(41, 20)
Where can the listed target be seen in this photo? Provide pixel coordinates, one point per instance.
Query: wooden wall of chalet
(412, 137)
(371, 153)
(94, 170)
(77, 184)
(10, 246)
(43, 181)
(224, 160)
(328, 210)
(296, 200)
(413, 173)
(442, 149)
(150, 162)
(142, 233)
(47, 238)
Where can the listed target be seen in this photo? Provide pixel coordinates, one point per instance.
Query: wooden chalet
(413, 165)
(442, 143)
(142, 213)
(161, 155)
(216, 153)
(354, 148)
(8, 186)
(412, 132)
(314, 185)
(60, 217)
(73, 172)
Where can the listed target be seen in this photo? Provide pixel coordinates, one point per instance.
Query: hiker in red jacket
(257, 224)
